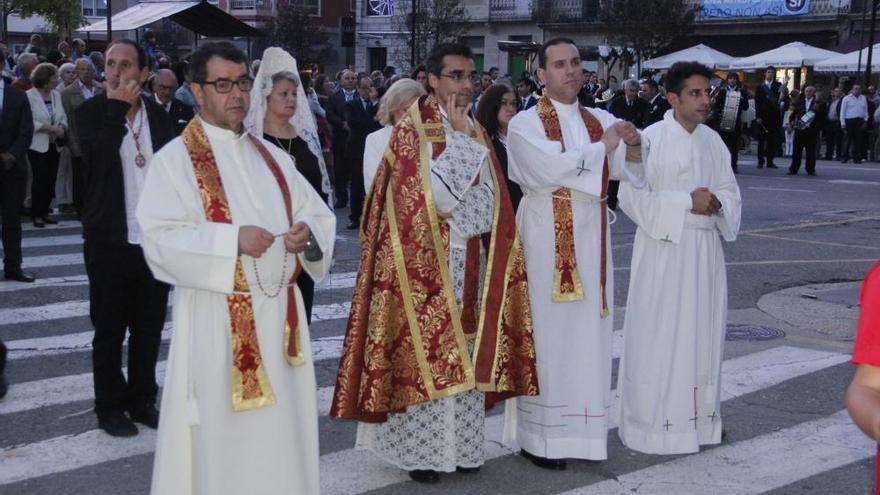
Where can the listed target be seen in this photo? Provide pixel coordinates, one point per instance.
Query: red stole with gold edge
(250, 384)
(567, 285)
(406, 340)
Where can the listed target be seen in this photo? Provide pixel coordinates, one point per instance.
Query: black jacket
(101, 124)
(513, 188)
(361, 121)
(16, 126)
(656, 110)
(634, 112)
(181, 113)
(767, 103)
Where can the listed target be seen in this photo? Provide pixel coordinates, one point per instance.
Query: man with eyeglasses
(436, 332)
(118, 132)
(164, 85)
(230, 223)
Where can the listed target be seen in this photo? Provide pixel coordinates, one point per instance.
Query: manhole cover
(752, 332)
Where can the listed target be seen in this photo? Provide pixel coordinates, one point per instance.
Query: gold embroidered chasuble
(406, 340)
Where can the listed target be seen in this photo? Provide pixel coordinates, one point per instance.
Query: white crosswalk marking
(821, 444)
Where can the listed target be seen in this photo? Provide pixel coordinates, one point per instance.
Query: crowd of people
(220, 180)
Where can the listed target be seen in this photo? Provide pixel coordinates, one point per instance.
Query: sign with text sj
(754, 8)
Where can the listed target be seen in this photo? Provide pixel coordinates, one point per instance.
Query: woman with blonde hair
(392, 107)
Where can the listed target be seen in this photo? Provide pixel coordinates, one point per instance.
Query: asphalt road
(804, 241)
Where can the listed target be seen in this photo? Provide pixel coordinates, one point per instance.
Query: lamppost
(109, 21)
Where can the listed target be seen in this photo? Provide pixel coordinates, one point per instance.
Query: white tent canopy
(699, 53)
(138, 15)
(792, 55)
(849, 62)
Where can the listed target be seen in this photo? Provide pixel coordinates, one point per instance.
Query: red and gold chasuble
(567, 285)
(406, 341)
(250, 384)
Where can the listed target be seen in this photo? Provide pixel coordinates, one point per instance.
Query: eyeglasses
(459, 75)
(225, 85)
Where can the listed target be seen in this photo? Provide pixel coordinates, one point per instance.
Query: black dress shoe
(857, 161)
(116, 424)
(791, 173)
(353, 225)
(771, 165)
(424, 475)
(50, 221)
(811, 173)
(39, 223)
(147, 416)
(543, 462)
(18, 276)
(4, 385)
(340, 205)
(467, 470)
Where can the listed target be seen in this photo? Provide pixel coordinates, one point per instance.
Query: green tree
(647, 26)
(300, 33)
(64, 16)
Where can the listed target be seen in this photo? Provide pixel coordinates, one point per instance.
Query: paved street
(793, 273)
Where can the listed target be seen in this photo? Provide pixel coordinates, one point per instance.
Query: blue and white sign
(754, 8)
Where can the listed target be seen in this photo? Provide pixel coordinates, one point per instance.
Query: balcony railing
(509, 10)
(566, 11)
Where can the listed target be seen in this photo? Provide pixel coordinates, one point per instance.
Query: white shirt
(853, 107)
(349, 94)
(2, 88)
(166, 107)
(134, 176)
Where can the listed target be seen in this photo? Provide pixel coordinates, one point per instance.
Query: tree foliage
(64, 16)
(647, 26)
(436, 21)
(300, 33)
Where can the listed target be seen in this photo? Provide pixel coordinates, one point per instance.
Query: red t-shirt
(867, 348)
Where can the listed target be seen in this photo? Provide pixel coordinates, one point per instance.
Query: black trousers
(340, 166)
(13, 184)
(44, 168)
(804, 142)
(124, 296)
(358, 192)
(833, 139)
(78, 171)
(731, 140)
(853, 138)
(307, 289)
(769, 145)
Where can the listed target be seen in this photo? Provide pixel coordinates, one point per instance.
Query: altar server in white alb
(562, 155)
(670, 374)
(230, 223)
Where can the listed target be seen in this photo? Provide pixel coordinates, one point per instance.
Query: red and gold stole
(406, 340)
(567, 285)
(250, 384)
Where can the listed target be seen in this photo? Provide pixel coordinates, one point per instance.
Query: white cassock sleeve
(726, 190)
(181, 247)
(307, 206)
(659, 213)
(619, 168)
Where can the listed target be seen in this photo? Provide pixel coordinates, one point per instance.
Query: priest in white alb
(562, 155)
(230, 223)
(669, 381)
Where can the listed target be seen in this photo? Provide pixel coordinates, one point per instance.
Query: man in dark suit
(806, 133)
(730, 136)
(657, 104)
(336, 116)
(164, 85)
(832, 131)
(769, 117)
(630, 108)
(16, 131)
(84, 88)
(525, 98)
(360, 113)
(123, 293)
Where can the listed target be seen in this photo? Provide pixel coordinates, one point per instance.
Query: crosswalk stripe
(756, 465)
(343, 280)
(52, 260)
(357, 471)
(62, 224)
(52, 241)
(71, 309)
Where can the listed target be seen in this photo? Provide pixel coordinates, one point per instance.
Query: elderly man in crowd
(81, 90)
(164, 85)
(26, 63)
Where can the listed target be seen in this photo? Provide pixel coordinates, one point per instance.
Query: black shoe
(467, 470)
(50, 221)
(116, 424)
(723, 434)
(844, 160)
(760, 163)
(543, 462)
(770, 165)
(857, 161)
(791, 173)
(340, 205)
(424, 475)
(353, 225)
(39, 223)
(18, 276)
(146, 415)
(4, 385)
(811, 173)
